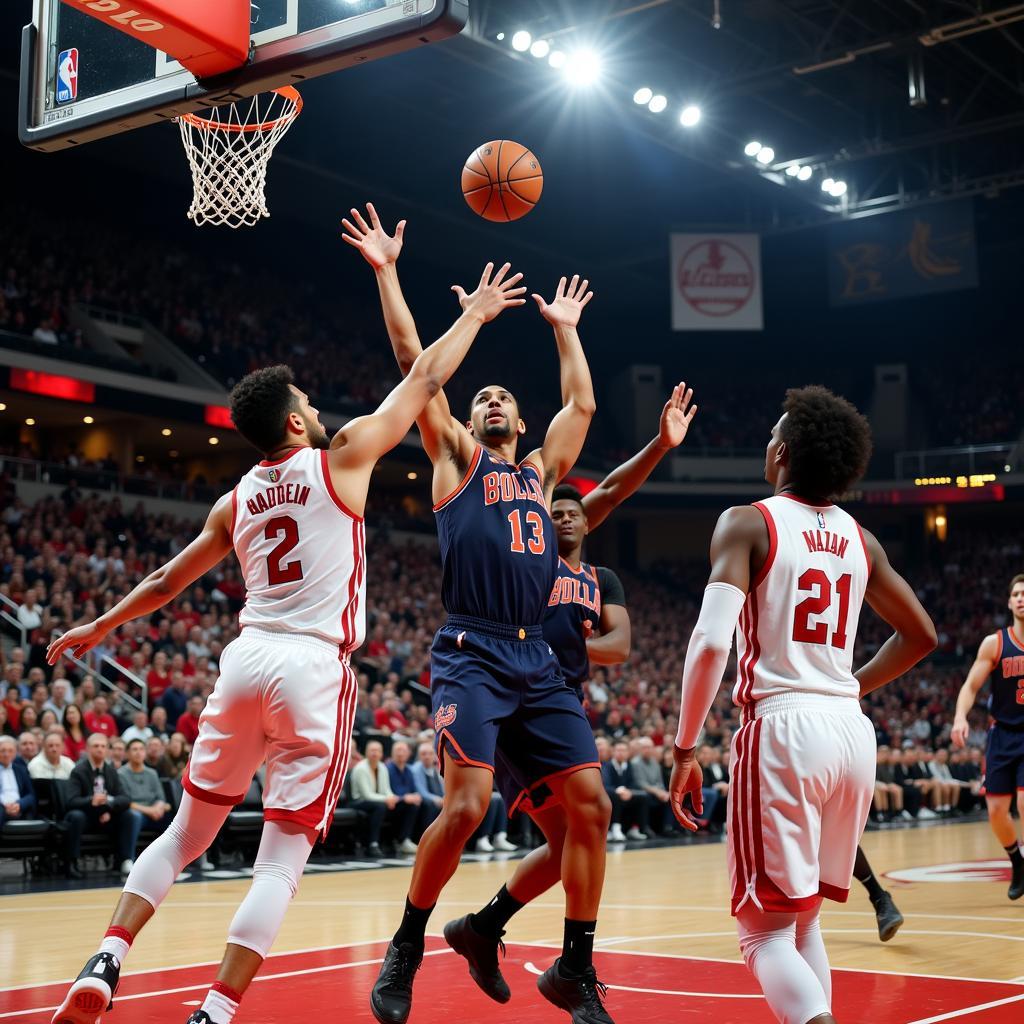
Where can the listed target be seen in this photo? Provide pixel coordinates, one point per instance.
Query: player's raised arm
(624, 480)
(159, 587)
(568, 430)
(362, 442)
(984, 663)
(891, 597)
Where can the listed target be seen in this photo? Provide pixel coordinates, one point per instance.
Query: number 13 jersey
(799, 623)
(302, 552)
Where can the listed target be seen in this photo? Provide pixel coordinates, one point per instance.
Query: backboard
(82, 79)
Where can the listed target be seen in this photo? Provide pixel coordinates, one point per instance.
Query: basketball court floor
(667, 944)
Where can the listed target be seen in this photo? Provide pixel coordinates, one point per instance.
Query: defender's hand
(377, 246)
(78, 641)
(686, 778)
(491, 297)
(959, 733)
(566, 307)
(676, 417)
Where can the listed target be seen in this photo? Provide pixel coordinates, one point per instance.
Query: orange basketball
(502, 180)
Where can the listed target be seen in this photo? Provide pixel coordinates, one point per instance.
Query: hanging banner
(716, 283)
(900, 255)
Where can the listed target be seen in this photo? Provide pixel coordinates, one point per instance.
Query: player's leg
(1004, 774)
(1016, 889)
(887, 916)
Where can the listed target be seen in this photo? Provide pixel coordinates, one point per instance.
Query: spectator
(155, 750)
(138, 730)
(30, 612)
(188, 724)
(142, 784)
(28, 746)
(17, 797)
(30, 720)
(429, 783)
(646, 765)
(118, 753)
(389, 717)
(172, 764)
(947, 787)
(888, 799)
(491, 834)
(158, 724)
(175, 699)
(629, 804)
(98, 803)
(158, 678)
(407, 816)
(76, 732)
(714, 788)
(51, 763)
(100, 719)
(62, 695)
(371, 794)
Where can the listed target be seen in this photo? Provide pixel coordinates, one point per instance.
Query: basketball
(502, 180)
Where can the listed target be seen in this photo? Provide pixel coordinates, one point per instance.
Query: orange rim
(287, 92)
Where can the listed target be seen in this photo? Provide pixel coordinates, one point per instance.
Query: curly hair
(829, 442)
(260, 404)
(566, 492)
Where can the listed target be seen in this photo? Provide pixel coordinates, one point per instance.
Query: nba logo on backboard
(274, 475)
(821, 520)
(67, 75)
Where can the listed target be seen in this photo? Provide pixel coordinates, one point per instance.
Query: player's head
(820, 446)
(494, 416)
(569, 519)
(1016, 601)
(270, 412)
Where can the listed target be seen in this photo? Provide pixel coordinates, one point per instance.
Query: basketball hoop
(228, 151)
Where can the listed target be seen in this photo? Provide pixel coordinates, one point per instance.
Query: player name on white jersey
(825, 540)
(282, 494)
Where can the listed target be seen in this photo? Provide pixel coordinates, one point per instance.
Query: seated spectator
(389, 717)
(888, 798)
(492, 834)
(142, 784)
(76, 732)
(17, 797)
(51, 762)
(29, 718)
(371, 794)
(175, 699)
(155, 750)
(917, 786)
(629, 804)
(98, 803)
(62, 694)
(11, 711)
(28, 746)
(428, 781)
(646, 765)
(6, 728)
(188, 724)
(158, 679)
(100, 719)
(407, 818)
(175, 757)
(158, 723)
(139, 729)
(714, 788)
(118, 752)
(947, 788)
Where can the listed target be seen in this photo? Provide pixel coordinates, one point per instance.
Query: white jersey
(303, 554)
(799, 622)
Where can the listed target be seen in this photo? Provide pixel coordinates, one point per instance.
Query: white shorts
(802, 779)
(285, 698)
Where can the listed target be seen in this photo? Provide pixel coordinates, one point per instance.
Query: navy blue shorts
(1004, 762)
(500, 701)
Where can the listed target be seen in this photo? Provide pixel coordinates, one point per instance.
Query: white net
(228, 149)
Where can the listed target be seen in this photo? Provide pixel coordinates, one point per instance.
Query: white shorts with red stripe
(803, 775)
(288, 699)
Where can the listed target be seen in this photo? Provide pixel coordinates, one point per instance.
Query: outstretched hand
(566, 307)
(377, 246)
(676, 416)
(77, 641)
(491, 297)
(686, 778)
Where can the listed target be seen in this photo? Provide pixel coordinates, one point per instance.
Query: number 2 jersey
(499, 554)
(798, 625)
(302, 552)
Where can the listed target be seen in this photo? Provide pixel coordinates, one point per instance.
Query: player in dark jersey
(494, 679)
(1001, 659)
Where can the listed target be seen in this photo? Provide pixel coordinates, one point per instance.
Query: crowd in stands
(65, 561)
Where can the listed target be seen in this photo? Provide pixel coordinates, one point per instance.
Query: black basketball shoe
(391, 998)
(92, 994)
(200, 1017)
(1016, 889)
(580, 997)
(888, 917)
(482, 954)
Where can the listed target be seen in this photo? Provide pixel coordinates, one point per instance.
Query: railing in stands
(966, 460)
(13, 620)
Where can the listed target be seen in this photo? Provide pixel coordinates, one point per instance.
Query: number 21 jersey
(799, 623)
(302, 552)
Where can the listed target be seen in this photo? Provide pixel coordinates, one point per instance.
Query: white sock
(116, 945)
(220, 1007)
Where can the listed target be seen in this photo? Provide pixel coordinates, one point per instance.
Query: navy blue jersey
(1006, 701)
(499, 553)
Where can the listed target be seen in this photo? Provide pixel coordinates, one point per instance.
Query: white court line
(966, 1010)
(205, 984)
(663, 991)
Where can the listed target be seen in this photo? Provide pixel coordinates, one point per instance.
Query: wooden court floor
(667, 942)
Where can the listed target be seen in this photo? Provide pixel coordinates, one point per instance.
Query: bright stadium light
(805, 173)
(689, 116)
(521, 41)
(793, 170)
(765, 155)
(540, 49)
(752, 148)
(838, 189)
(557, 59)
(643, 96)
(583, 67)
(500, 36)
(658, 104)
(826, 185)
